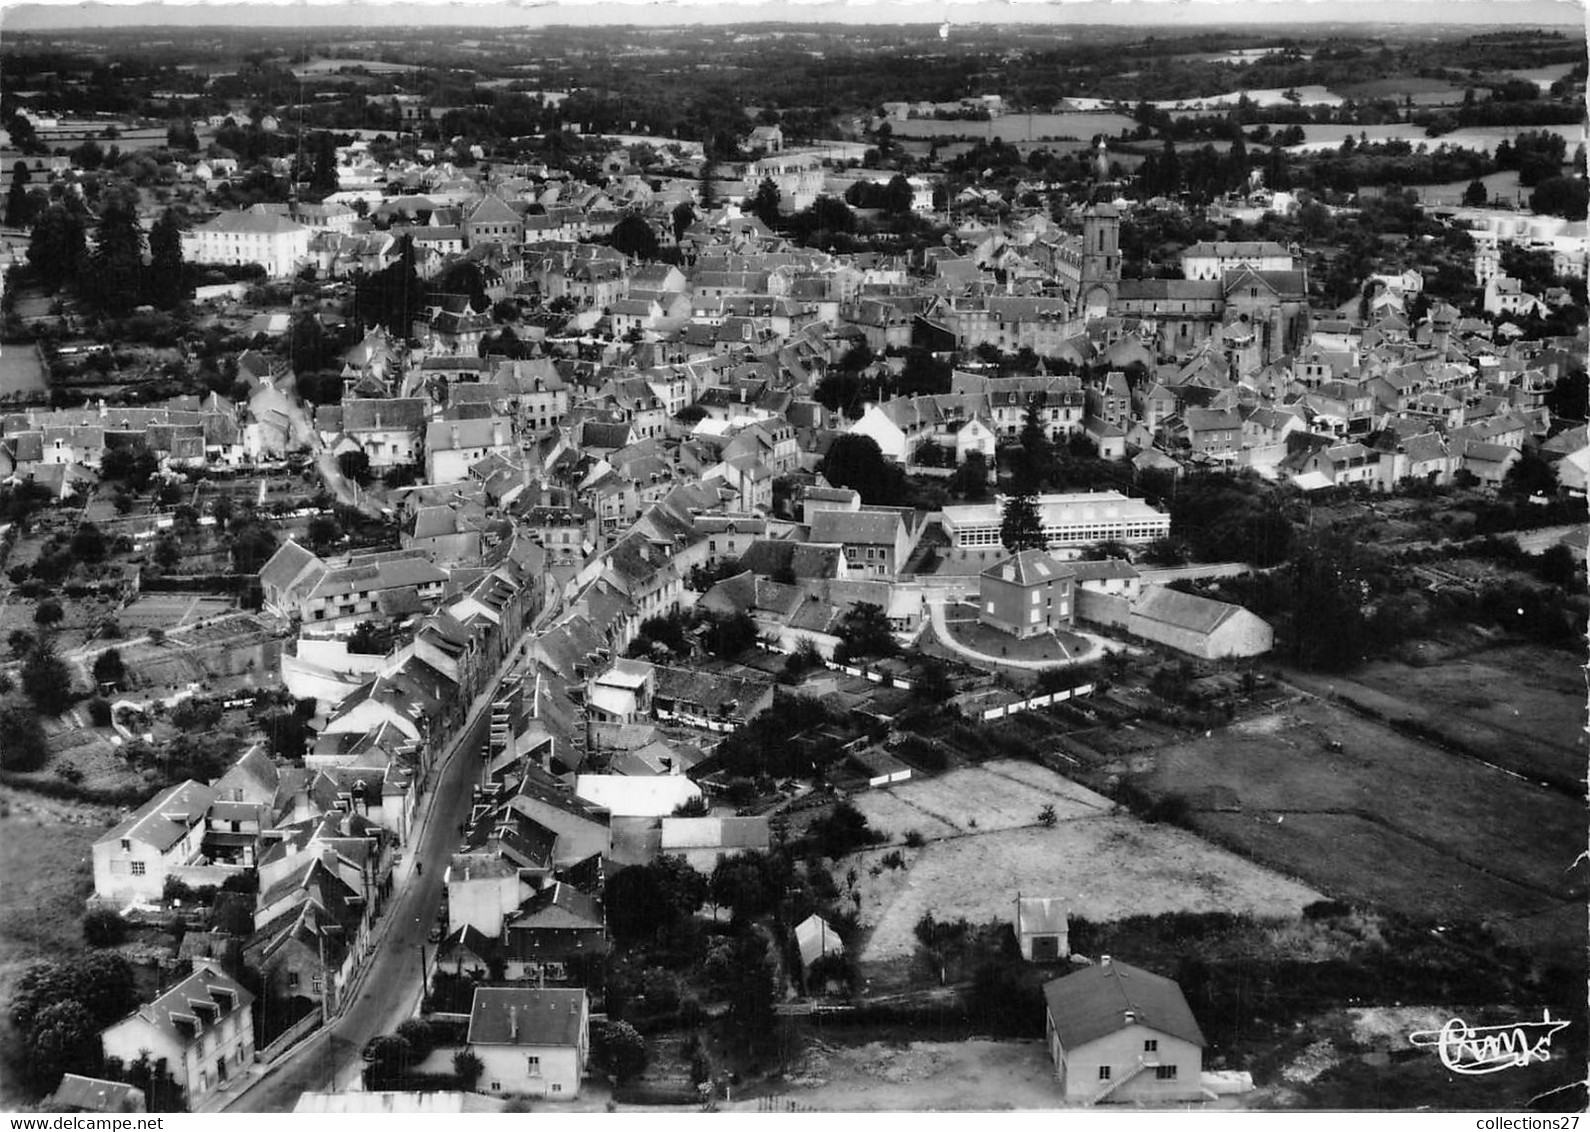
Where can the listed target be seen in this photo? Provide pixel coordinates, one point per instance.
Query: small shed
(880, 767)
(94, 1094)
(816, 937)
(1042, 929)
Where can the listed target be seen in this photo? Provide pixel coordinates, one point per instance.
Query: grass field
(1423, 91)
(1387, 819)
(1000, 794)
(1106, 865)
(1522, 708)
(45, 862)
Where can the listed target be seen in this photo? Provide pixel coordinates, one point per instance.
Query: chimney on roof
(1130, 1016)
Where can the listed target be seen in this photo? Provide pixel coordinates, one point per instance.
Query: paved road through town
(329, 1059)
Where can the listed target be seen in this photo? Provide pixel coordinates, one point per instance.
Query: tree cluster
(59, 1007)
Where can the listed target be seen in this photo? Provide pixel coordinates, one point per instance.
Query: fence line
(869, 674)
(288, 1036)
(1005, 710)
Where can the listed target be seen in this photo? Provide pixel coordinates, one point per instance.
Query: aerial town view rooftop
(793, 567)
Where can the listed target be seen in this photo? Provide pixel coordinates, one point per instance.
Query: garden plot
(1105, 867)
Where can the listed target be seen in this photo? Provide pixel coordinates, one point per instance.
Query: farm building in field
(1042, 928)
(1198, 625)
(1118, 1033)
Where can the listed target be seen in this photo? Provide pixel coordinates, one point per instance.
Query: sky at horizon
(62, 15)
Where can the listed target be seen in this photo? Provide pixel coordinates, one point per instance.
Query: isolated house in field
(202, 1028)
(1200, 626)
(1119, 1033)
(532, 1042)
(1042, 928)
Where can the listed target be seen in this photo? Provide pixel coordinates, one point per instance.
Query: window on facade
(496, 1086)
(126, 845)
(534, 1065)
(557, 1088)
(1165, 1072)
(137, 868)
(292, 979)
(1151, 1045)
(1104, 1073)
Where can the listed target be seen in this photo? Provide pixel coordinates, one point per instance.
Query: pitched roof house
(1119, 1033)
(201, 1027)
(532, 1042)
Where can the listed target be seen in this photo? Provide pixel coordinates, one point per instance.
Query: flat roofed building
(1068, 520)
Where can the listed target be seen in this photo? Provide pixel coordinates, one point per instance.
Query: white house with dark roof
(1119, 1033)
(353, 589)
(277, 244)
(132, 861)
(388, 430)
(493, 221)
(201, 1027)
(1212, 259)
(532, 1042)
(876, 541)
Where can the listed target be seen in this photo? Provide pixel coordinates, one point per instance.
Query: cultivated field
(1387, 819)
(76, 742)
(169, 610)
(1018, 127)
